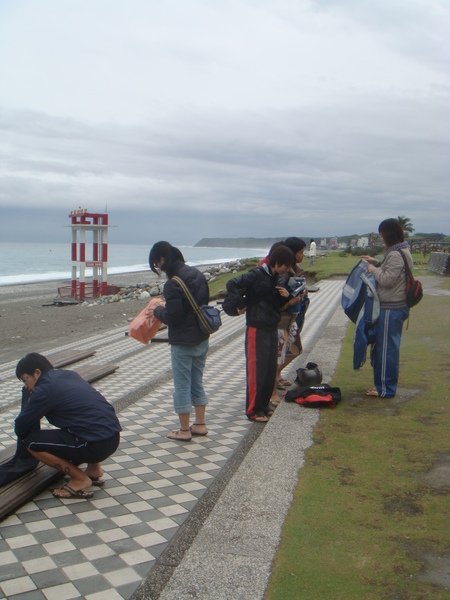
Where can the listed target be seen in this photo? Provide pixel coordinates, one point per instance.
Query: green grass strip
(364, 518)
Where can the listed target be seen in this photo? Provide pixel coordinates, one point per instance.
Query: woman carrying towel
(188, 343)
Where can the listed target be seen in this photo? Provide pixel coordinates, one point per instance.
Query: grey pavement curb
(232, 553)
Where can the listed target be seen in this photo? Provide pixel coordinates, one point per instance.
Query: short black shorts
(69, 447)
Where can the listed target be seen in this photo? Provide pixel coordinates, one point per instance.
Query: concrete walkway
(170, 513)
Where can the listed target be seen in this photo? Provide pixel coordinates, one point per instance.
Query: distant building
(363, 242)
(333, 243)
(323, 243)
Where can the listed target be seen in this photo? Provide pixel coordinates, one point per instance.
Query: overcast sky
(203, 118)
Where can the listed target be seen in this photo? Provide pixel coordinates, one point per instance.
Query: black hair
(295, 244)
(391, 231)
(171, 255)
(282, 255)
(275, 245)
(32, 361)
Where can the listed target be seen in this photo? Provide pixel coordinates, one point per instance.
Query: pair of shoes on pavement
(185, 435)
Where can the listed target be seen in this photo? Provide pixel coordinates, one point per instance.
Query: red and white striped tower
(83, 221)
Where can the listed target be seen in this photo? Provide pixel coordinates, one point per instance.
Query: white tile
(207, 467)
(112, 535)
(150, 494)
(40, 525)
(200, 476)
(124, 520)
(21, 541)
(174, 509)
(137, 557)
(7, 557)
(140, 470)
(160, 483)
(104, 502)
(135, 507)
(58, 547)
(20, 585)
(11, 520)
(80, 571)
(72, 531)
(149, 539)
(170, 473)
(123, 458)
(190, 487)
(161, 524)
(161, 452)
(117, 491)
(129, 480)
(57, 511)
(122, 576)
(150, 461)
(91, 515)
(65, 591)
(36, 565)
(178, 464)
(105, 595)
(99, 551)
(180, 498)
(29, 507)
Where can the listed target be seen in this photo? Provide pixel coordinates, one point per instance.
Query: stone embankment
(143, 291)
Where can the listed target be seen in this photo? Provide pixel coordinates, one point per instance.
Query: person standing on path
(259, 295)
(391, 288)
(312, 252)
(188, 342)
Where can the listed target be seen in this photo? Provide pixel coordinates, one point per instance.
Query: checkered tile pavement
(102, 548)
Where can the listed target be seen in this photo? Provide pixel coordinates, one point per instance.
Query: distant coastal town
(420, 242)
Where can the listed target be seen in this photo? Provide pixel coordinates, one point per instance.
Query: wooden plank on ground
(68, 357)
(93, 373)
(16, 493)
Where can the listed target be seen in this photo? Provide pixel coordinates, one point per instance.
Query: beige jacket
(390, 278)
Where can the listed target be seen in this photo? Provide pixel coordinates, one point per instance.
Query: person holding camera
(260, 296)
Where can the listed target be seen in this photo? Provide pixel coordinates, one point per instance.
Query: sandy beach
(27, 325)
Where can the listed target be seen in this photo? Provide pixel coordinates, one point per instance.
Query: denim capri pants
(188, 363)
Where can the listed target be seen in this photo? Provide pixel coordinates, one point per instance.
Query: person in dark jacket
(258, 295)
(188, 342)
(88, 430)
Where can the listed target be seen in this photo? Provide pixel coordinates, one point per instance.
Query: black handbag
(208, 316)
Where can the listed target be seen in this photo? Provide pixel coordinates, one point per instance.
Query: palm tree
(406, 225)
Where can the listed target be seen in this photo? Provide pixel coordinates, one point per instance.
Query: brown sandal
(195, 432)
(178, 436)
(373, 393)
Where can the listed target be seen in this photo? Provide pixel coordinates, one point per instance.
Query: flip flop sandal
(197, 432)
(97, 481)
(372, 393)
(178, 437)
(259, 419)
(71, 493)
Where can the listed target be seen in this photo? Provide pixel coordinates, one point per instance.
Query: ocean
(31, 262)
